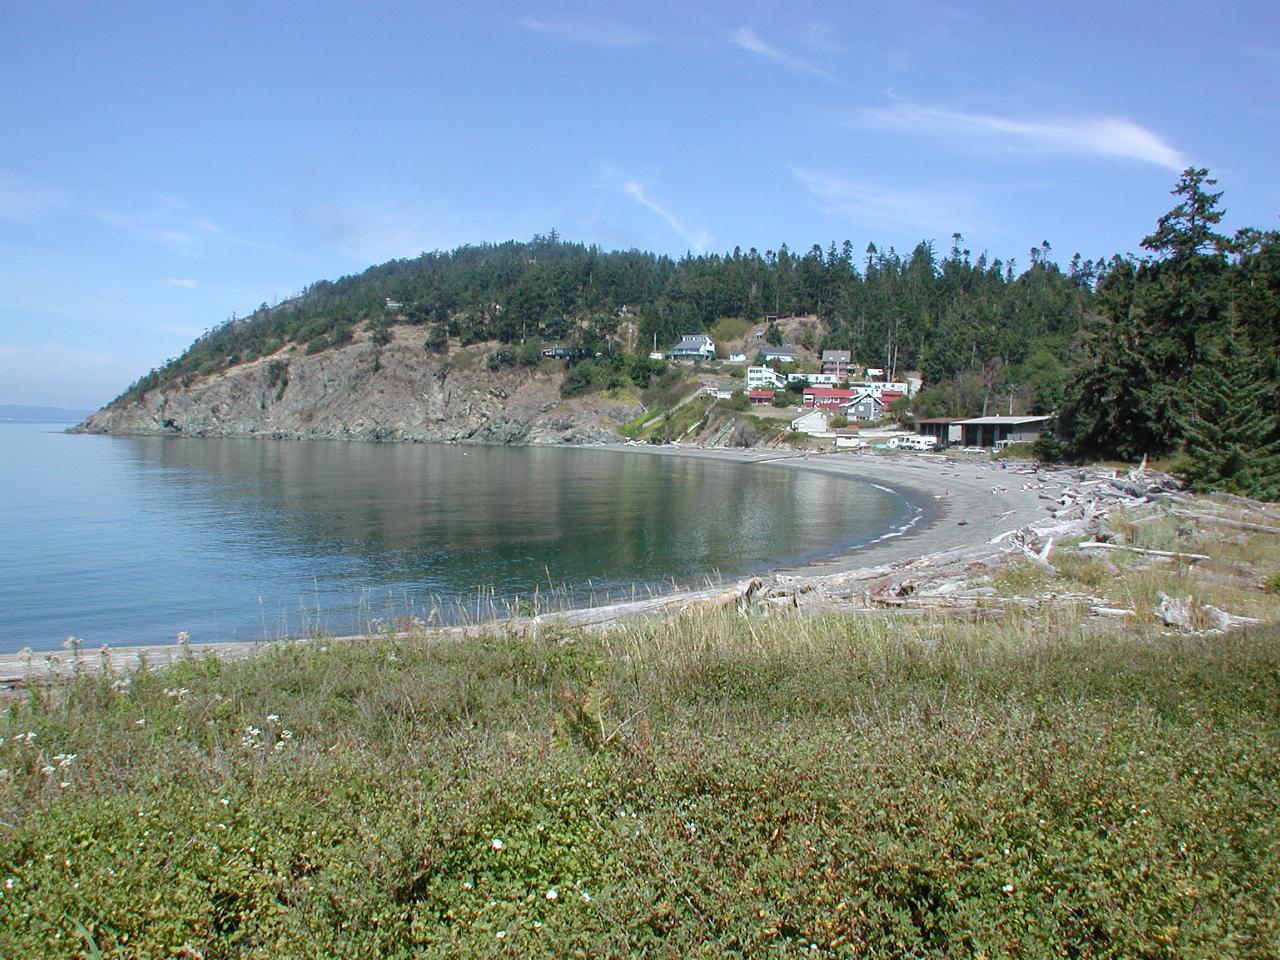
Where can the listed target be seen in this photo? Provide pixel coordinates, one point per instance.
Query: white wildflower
(553, 894)
(273, 717)
(584, 896)
(497, 844)
(141, 722)
(1007, 888)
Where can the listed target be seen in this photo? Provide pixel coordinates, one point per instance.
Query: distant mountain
(22, 413)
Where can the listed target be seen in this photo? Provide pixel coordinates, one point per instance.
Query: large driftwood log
(1168, 554)
(1188, 613)
(1214, 520)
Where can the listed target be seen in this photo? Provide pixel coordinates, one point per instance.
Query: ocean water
(129, 540)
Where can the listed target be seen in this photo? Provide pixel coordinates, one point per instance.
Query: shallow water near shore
(128, 540)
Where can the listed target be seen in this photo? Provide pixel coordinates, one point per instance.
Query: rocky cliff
(367, 391)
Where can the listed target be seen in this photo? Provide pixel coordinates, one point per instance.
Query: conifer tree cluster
(1172, 359)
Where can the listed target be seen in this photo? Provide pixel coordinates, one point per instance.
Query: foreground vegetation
(715, 786)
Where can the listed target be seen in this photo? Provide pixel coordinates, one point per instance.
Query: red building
(826, 398)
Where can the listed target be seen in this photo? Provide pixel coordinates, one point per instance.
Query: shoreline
(961, 506)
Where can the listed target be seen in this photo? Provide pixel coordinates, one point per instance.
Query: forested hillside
(1140, 356)
(945, 316)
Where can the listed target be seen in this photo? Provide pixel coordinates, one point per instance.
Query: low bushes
(715, 786)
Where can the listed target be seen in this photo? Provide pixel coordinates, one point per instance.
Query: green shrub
(716, 785)
(437, 339)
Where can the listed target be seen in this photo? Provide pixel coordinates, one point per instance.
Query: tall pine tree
(1230, 436)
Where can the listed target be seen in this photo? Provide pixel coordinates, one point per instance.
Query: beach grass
(713, 785)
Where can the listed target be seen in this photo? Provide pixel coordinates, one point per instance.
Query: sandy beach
(962, 503)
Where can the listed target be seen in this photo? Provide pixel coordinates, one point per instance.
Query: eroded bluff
(362, 391)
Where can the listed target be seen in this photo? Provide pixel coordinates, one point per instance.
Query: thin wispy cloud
(23, 199)
(177, 232)
(932, 208)
(590, 30)
(820, 36)
(184, 283)
(1107, 137)
(375, 233)
(749, 40)
(172, 223)
(699, 238)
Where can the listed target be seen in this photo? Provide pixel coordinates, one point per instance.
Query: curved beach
(962, 503)
(961, 506)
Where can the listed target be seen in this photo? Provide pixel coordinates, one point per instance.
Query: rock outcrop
(366, 391)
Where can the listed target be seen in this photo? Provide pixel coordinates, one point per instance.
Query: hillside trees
(949, 316)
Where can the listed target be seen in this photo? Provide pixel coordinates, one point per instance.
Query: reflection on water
(129, 540)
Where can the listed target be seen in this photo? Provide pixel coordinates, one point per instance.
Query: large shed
(1001, 431)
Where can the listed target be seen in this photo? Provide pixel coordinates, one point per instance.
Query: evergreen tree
(1187, 230)
(1230, 437)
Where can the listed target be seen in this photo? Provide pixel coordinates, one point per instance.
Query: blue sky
(164, 165)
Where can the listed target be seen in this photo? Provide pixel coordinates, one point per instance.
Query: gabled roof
(857, 396)
(836, 356)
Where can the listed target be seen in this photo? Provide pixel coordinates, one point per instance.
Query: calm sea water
(127, 540)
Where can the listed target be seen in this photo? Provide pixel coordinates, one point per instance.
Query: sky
(164, 166)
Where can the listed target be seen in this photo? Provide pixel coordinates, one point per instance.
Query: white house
(764, 378)
(694, 347)
(814, 379)
(737, 358)
(813, 423)
(876, 388)
(779, 353)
